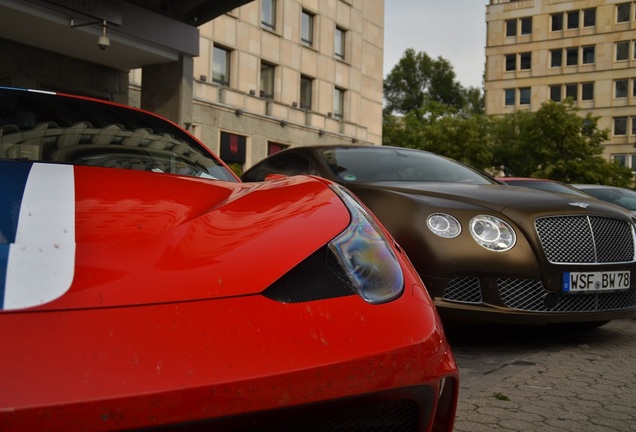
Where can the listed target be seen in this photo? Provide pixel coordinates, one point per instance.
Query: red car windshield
(38, 126)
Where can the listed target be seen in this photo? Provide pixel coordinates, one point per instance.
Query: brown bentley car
(487, 252)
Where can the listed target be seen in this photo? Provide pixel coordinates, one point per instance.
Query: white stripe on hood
(41, 263)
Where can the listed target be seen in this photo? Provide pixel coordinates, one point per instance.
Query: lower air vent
(463, 290)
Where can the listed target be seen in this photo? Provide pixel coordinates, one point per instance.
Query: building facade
(247, 77)
(278, 73)
(540, 50)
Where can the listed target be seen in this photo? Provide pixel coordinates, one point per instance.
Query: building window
(306, 91)
(338, 102)
(620, 88)
(339, 43)
(274, 147)
(556, 58)
(634, 88)
(557, 21)
(555, 93)
(620, 158)
(268, 14)
(623, 12)
(573, 20)
(633, 133)
(620, 125)
(587, 91)
(521, 25)
(267, 80)
(526, 25)
(221, 66)
(307, 28)
(511, 27)
(511, 62)
(524, 96)
(571, 91)
(572, 56)
(510, 97)
(589, 17)
(525, 61)
(588, 54)
(622, 50)
(233, 148)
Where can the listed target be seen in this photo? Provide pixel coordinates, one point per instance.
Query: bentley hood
(507, 200)
(82, 237)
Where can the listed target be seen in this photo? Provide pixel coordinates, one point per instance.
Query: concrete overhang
(140, 33)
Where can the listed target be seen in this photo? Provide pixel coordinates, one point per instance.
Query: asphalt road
(545, 379)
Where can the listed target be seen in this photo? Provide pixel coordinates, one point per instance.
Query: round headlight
(444, 225)
(492, 233)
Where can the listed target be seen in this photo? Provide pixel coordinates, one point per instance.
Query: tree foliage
(426, 108)
(418, 80)
(555, 142)
(462, 138)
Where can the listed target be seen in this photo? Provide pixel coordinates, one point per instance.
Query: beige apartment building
(540, 50)
(278, 73)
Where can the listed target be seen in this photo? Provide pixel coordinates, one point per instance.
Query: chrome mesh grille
(586, 239)
(522, 294)
(463, 290)
(528, 295)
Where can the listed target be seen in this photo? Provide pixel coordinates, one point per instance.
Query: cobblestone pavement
(578, 381)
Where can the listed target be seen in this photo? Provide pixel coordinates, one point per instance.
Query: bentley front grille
(529, 295)
(586, 239)
(463, 290)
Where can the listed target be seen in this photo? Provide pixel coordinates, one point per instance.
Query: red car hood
(100, 237)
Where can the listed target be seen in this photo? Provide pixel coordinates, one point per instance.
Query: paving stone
(585, 383)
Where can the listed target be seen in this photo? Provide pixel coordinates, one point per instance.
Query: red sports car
(143, 286)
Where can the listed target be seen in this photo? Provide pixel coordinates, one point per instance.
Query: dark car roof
(543, 184)
(617, 195)
(366, 166)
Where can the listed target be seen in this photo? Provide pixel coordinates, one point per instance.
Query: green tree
(475, 103)
(426, 108)
(440, 131)
(418, 80)
(555, 142)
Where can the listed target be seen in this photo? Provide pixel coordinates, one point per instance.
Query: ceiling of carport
(192, 12)
(151, 31)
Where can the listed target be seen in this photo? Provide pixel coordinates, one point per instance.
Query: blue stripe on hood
(13, 177)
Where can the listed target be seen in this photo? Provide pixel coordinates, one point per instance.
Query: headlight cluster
(444, 225)
(489, 232)
(365, 254)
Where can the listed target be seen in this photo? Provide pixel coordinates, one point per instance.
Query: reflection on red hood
(152, 238)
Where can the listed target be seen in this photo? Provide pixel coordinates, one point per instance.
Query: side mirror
(275, 176)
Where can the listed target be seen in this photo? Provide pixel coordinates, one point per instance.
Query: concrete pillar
(166, 89)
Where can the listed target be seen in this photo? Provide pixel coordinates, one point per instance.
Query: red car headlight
(366, 255)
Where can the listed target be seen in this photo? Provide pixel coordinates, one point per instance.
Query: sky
(452, 29)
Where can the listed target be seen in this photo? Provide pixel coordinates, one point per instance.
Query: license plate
(596, 281)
